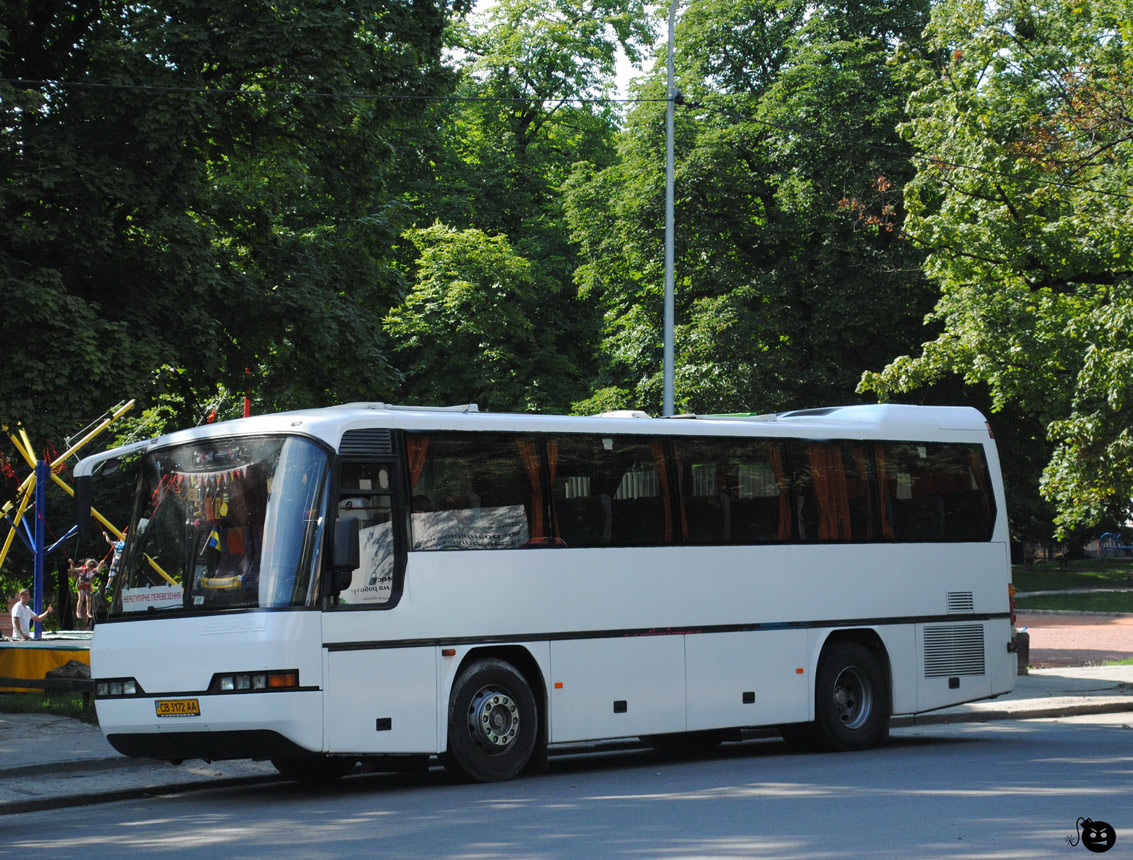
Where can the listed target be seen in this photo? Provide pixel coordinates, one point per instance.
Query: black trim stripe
(690, 630)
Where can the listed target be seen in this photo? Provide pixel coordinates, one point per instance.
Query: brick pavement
(1066, 639)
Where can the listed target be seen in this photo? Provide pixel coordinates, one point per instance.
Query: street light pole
(667, 407)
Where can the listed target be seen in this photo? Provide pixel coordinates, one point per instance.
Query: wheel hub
(853, 698)
(493, 720)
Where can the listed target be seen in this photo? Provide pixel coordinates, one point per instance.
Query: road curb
(41, 804)
(76, 766)
(990, 714)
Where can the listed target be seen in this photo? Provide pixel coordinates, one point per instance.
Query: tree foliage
(185, 183)
(463, 330)
(790, 272)
(377, 199)
(1021, 116)
(529, 105)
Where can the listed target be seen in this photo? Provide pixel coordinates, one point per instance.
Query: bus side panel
(1002, 672)
(746, 679)
(954, 660)
(381, 701)
(900, 646)
(633, 685)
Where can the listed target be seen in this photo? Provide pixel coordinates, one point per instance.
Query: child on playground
(84, 582)
(118, 546)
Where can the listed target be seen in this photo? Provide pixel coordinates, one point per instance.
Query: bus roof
(873, 421)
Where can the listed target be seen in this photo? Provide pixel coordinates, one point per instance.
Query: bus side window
(365, 493)
(835, 491)
(761, 510)
(933, 492)
(611, 490)
(474, 491)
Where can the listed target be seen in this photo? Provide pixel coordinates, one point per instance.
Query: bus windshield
(225, 524)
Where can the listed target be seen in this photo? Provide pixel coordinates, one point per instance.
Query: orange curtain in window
(658, 447)
(775, 455)
(829, 480)
(416, 447)
(883, 483)
(529, 454)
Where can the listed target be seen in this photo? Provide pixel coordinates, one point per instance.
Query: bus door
(378, 697)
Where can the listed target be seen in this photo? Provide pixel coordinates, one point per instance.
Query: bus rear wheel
(492, 723)
(851, 699)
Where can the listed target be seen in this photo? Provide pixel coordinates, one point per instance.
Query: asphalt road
(996, 790)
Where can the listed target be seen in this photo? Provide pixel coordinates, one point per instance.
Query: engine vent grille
(366, 444)
(953, 649)
(961, 601)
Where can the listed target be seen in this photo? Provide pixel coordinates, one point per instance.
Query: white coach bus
(327, 586)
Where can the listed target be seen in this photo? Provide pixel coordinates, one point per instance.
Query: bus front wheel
(851, 702)
(492, 723)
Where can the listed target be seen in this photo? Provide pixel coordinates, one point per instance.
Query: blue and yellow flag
(214, 539)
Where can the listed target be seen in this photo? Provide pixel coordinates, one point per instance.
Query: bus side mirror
(82, 500)
(347, 551)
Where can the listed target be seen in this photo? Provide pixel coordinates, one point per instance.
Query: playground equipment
(1113, 543)
(31, 496)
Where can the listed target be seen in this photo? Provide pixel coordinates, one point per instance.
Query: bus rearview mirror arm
(82, 500)
(83, 495)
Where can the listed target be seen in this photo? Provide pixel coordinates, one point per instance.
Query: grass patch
(55, 704)
(1102, 601)
(1080, 573)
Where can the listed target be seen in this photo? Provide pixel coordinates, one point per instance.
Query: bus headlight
(114, 687)
(243, 682)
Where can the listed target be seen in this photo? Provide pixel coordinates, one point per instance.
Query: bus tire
(851, 698)
(492, 723)
(314, 769)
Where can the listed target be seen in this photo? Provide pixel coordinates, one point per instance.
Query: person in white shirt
(22, 616)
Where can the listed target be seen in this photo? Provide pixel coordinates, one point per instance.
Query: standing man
(22, 616)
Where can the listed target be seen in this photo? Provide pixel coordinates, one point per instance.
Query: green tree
(462, 331)
(791, 274)
(1021, 116)
(188, 183)
(530, 103)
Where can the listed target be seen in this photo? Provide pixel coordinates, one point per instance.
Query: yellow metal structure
(25, 493)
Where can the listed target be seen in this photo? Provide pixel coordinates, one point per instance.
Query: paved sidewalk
(52, 762)
(1076, 638)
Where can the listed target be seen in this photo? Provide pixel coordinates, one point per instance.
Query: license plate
(178, 708)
